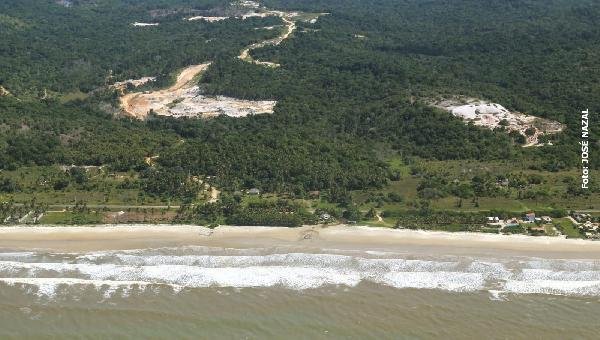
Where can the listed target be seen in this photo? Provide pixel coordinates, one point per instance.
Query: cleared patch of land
(207, 18)
(12, 23)
(122, 85)
(183, 99)
(4, 92)
(66, 3)
(268, 28)
(144, 24)
(493, 116)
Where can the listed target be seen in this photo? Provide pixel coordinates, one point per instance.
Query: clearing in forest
(184, 99)
(492, 116)
(4, 92)
(122, 85)
(207, 18)
(144, 24)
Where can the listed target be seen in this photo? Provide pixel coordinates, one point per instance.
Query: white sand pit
(144, 24)
(248, 3)
(492, 116)
(208, 19)
(184, 99)
(197, 105)
(268, 28)
(255, 15)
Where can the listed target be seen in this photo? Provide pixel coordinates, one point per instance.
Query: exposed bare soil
(183, 99)
(207, 18)
(122, 85)
(4, 92)
(492, 116)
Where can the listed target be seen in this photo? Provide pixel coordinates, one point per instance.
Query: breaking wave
(175, 269)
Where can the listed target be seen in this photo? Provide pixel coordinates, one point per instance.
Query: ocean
(294, 292)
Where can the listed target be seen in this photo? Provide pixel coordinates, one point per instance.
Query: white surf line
(48, 287)
(34, 281)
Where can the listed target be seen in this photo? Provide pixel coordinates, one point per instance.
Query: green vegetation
(71, 218)
(79, 48)
(439, 220)
(567, 227)
(232, 210)
(352, 135)
(517, 229)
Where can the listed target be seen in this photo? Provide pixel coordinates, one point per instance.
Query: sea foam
(553, 287)
(181, 268)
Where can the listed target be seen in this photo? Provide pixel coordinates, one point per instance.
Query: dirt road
(139, 104)
(289, 28)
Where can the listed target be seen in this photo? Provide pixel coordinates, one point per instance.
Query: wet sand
(110, 237)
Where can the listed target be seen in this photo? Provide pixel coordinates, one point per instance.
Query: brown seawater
(294, 293)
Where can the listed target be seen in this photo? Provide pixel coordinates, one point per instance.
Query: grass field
(567, 227)
(71, 96)
(68, 217)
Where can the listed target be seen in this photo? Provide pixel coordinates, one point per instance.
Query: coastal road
(109, 206)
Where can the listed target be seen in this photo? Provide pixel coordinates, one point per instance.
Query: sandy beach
(110, 237)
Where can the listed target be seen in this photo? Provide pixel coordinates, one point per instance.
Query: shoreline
(306, 238)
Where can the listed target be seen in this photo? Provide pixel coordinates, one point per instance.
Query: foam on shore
(119, 273)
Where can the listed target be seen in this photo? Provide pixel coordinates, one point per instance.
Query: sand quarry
(492, 116)
(185, 99)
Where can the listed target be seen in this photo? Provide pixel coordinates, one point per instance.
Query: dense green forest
(352, 92)
(46, 46)
(537, 57)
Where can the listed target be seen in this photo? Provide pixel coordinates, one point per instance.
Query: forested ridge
(352, 89)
